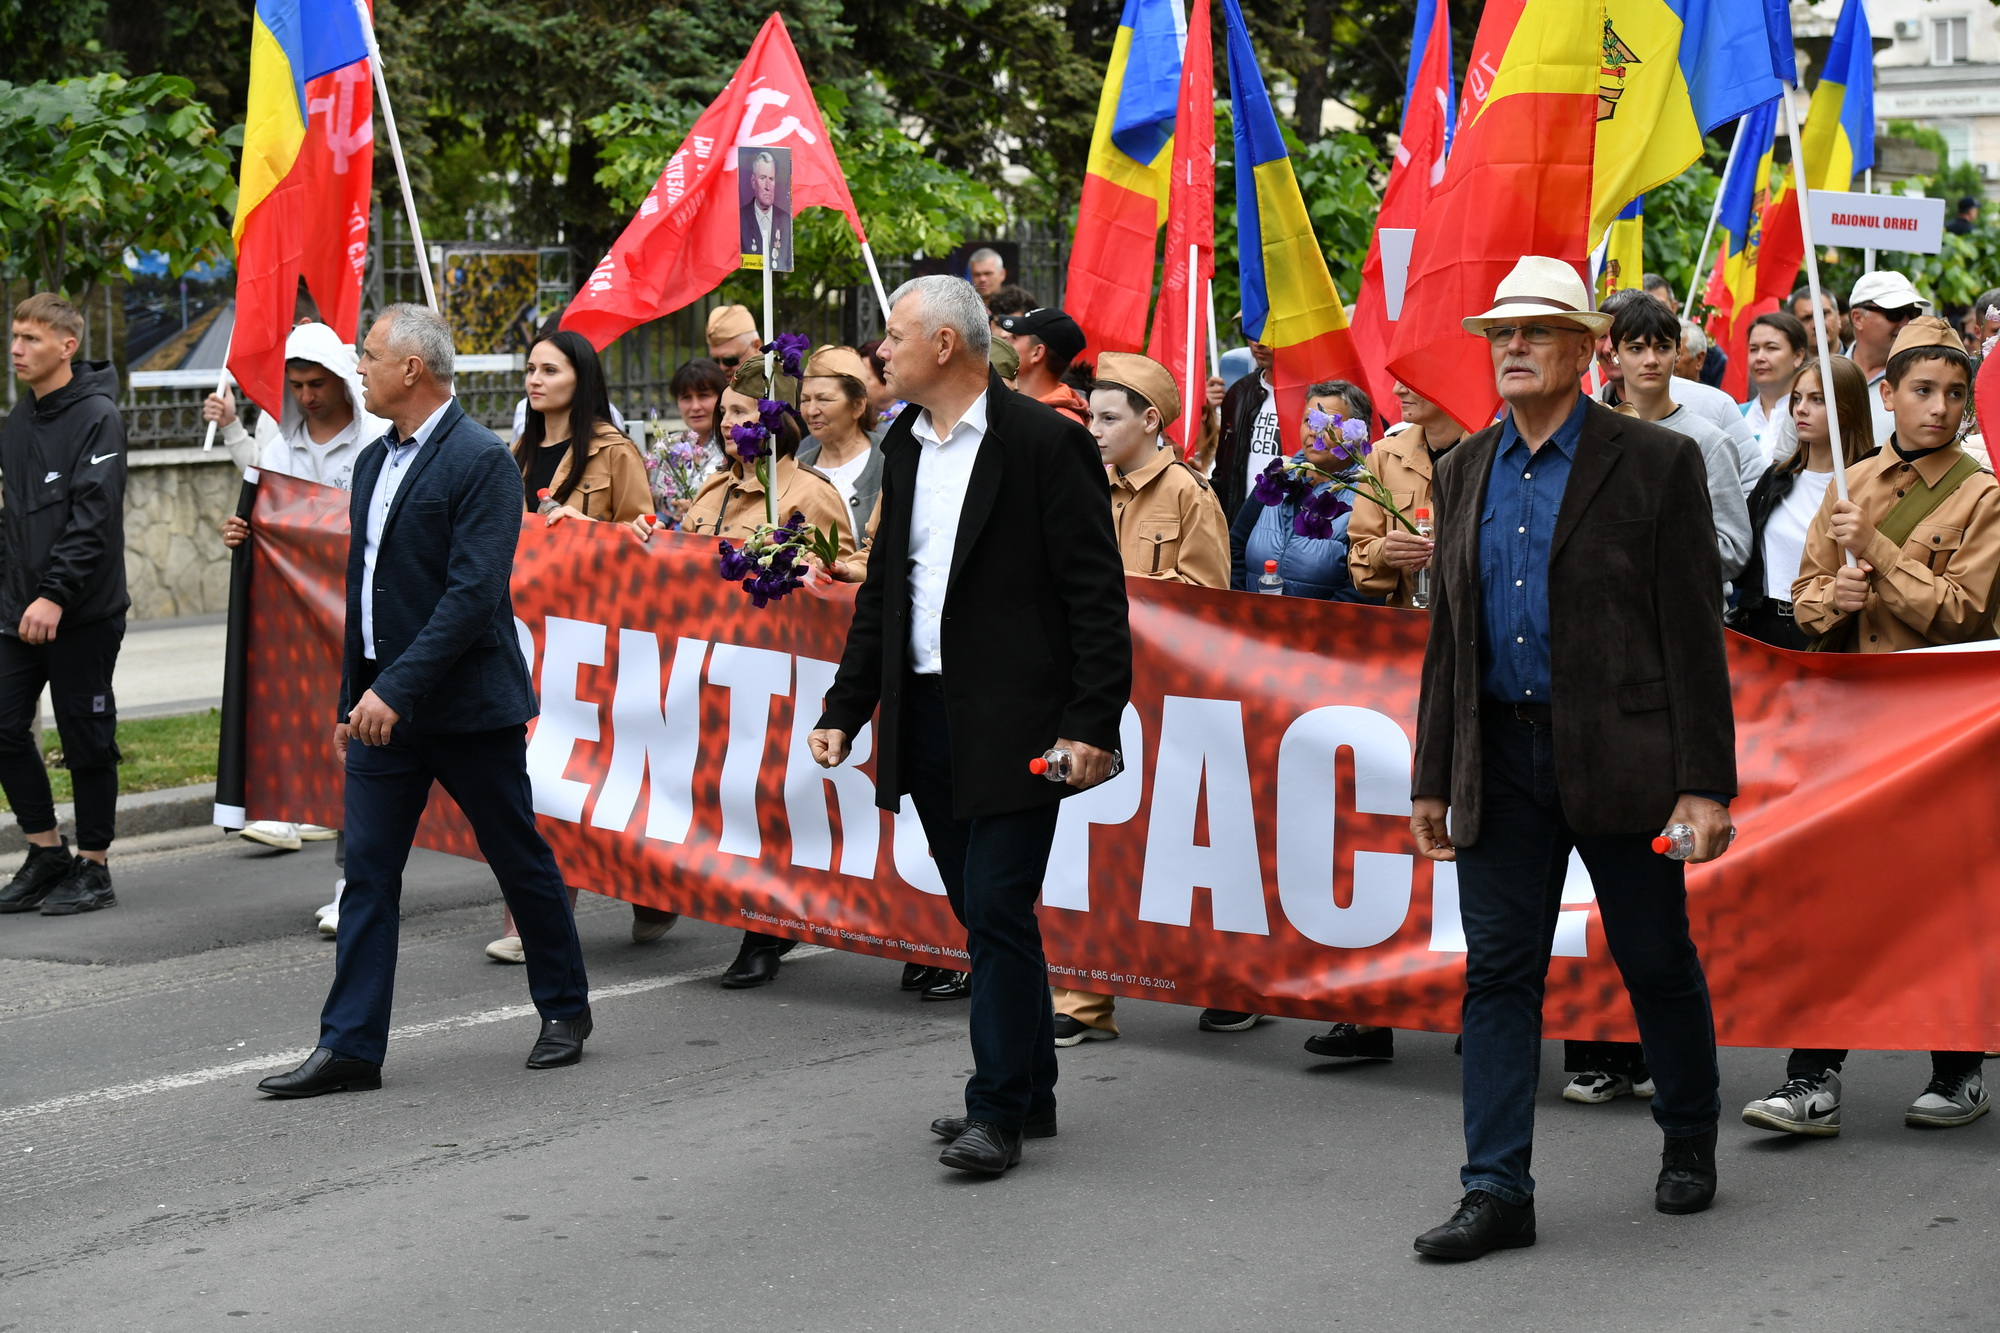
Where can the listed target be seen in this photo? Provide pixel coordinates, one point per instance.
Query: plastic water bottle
(548, 503)
(1420, 586)
(1052, 764)
(1269, 581)
(1676, 841)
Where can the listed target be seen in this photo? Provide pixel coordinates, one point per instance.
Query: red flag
(685, 238)
(1518, 183)
(337, 161)
(1190, 222)
(1418, 167)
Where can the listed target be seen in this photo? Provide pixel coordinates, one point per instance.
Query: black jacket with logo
(62, 477)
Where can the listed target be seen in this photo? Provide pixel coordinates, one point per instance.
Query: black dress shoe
(755, 965)
(949, 985)
(1039, 1125)
(1483, 1222)
(561, 1042)
(983, 1149)
(1687, 1174)
(1346, 1041)
(916, 976)
(324, 1072)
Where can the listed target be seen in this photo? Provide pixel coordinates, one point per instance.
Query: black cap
(1052, 326)
(1967, 202)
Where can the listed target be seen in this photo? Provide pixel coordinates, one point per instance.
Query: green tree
(90, 167)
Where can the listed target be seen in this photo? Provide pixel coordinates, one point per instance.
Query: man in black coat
(1575, 696)
(433, 687)
(992, 626)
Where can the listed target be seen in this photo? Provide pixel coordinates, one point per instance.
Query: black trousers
(78, 663)
(992, 868)
(388, 786)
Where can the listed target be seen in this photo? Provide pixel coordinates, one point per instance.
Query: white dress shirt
(944, 472)
(394, 468)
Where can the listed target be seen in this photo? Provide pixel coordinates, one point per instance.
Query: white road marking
(194, 1078)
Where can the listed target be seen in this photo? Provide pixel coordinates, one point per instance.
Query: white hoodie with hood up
(284, 446)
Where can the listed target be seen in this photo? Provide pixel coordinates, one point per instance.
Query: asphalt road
(759, 1160)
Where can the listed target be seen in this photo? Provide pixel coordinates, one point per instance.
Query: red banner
(1256, 853)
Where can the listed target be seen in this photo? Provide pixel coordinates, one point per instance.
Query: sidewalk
(167, 667)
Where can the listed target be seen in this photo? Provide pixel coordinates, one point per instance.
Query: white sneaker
(1808, 1104)
(1950, 1101)
(271, 833)
(328, 916)
(507, 949)
(1599, 1086)
(316, 833)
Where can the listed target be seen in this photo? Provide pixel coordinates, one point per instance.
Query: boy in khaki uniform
(1170, 527)
(1923, 522)
(1382, 555)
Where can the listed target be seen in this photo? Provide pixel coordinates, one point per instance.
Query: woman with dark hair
(1776, 347)
(1313, 567)
(604, 478)
(603, 482)
(1788, 495)
(697, 387)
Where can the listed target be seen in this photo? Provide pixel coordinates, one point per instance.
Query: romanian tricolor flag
(1592, 103)
(292, 43)
(1289, 301)
(1837, 143)
(1625, 250)
(1733, 287)
(1124, 201)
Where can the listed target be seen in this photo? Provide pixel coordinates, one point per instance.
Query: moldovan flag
(289, 176)
(1837, 143)
(1190, 224)
(1594, 103)
(1746, 208)
(685, 239)
(1429, 117)
(1125, 183)
(1625, 249)
(1289, 301)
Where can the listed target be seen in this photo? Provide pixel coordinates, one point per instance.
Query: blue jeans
(1510, 887)
(486, 772)
(992, 867)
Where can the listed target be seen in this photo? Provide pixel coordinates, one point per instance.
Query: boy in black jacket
(62, 603)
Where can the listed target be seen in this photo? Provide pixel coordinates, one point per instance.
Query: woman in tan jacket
(565, 394)
(1382, 555)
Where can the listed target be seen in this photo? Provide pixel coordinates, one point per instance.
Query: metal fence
(166, 411)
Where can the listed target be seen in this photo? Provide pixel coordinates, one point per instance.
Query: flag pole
(1214, 342)
(396, 151)
(1819, 325)
(221, 383)
(875, 276)
(1868, 253)
(1714, 214)
(770, 385)
(1194, 408)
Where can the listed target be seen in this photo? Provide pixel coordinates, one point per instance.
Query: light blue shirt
(394, 468)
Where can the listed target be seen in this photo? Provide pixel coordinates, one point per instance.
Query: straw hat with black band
(1540, 290)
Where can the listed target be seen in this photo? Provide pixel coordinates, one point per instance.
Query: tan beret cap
(1143, 376)
(730, 321)
(1927, 331)
(1004, 358)
(832, 359)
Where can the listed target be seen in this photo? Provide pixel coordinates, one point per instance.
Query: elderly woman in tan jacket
(604, 482)
(1382, 555)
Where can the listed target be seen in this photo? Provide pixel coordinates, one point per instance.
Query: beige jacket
(1402, 462)
(1937, 589)
(730, 504)
(1169, 523)
(613, 488)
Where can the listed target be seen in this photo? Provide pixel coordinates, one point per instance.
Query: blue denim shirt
(1516, 529)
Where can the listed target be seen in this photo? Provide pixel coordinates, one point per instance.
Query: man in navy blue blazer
(433, 688)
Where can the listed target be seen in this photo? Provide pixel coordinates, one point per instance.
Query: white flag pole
(1214, 342)
(396, 151)
(1868, 253)
(1819, 325)
(221, 384)
(1714, 213)
(875, 276)
(1194, 407)
(770, 386)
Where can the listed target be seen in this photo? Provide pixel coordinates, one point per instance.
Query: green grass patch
(158, 752)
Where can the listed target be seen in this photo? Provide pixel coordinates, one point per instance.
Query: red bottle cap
(542, 494)
(1424, 514)
(652, 520)
(1038, 766)
(1663, 844)
(1270, 566)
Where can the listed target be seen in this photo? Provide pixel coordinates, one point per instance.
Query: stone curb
(138, 813)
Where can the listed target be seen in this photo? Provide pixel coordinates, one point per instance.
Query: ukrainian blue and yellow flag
(1124, 199)
(1671, 71)
(1289, 301)
(1625, 249)
(1839, 135)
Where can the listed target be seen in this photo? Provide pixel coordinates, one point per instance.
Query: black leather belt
(1778, 608)
(1540, 715)
(931, 682)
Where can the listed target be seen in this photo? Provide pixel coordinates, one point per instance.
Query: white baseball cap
(1886, 289)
